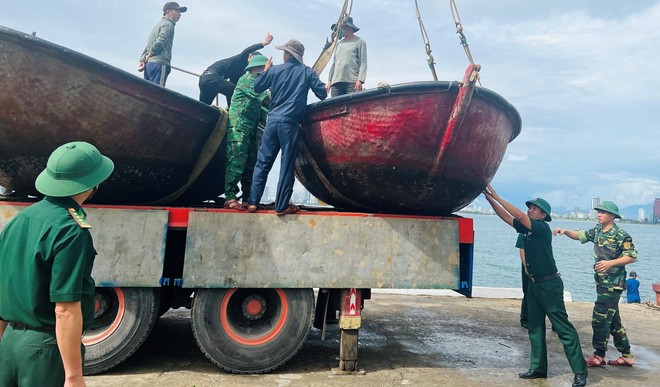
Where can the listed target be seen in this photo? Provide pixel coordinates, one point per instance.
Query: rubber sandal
(252, 208)
(292, 209)
(620, 362)
(595, 361)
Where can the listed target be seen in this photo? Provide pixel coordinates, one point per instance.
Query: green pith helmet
(73, 168)
(256, 61)
(543, 205)
(610, 207)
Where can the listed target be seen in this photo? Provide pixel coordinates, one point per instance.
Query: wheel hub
(254, 307)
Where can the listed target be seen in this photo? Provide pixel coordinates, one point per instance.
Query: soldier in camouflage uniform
(613, 249)
(246, 114)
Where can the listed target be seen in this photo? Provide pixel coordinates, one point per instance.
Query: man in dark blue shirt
(289, 84)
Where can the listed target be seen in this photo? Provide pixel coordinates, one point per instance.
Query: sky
(582, 74)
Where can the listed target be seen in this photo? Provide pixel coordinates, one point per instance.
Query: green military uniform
(606, 318)
(52, 263)
(520, 244)
(545, 297)
(245, 114)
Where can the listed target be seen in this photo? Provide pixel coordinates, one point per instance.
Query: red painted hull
(388, 150)
(50, 95)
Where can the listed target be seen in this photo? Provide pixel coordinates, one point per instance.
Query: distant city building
(640, 215)
(594, 202)
(656, 210)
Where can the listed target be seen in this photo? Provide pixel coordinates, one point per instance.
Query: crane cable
(459, 31)
(427, 44)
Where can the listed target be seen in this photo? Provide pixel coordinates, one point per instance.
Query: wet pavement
(405, 340)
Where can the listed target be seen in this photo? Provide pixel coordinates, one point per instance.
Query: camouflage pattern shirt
(609, 245)
(245, 111)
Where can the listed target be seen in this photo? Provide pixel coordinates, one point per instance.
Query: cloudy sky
(582, 74)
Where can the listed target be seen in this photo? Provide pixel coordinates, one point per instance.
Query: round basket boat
(424, 148)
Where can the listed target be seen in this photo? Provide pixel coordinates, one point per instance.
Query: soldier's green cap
(543, 205)
(610, 207)
(256, 61)
(73, 168)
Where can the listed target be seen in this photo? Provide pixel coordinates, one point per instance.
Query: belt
(544, 278)
(25, 327)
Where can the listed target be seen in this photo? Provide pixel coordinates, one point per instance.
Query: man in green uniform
(545, 294)
(246, 112)
(47, 294)
(613, 250)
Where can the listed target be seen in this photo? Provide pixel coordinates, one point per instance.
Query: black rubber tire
(123, 320)
(247, 340)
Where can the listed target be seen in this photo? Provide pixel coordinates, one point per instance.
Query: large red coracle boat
(167, 147)
(416, 148)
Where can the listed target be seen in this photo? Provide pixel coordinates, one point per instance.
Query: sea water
(497, 260)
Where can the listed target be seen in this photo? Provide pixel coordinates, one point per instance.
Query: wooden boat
(50, 95)
(416, 148)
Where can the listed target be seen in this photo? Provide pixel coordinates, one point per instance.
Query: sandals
(595, 361)
(292, 209)
(233, 204)
(621, 362)
(252, 208)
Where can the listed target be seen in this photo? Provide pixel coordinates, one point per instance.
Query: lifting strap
(206, 155)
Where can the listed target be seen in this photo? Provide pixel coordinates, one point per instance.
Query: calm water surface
(497, 262)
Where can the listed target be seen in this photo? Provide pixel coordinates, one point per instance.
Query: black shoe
(524, 324)
(531, 374)
(580, 380)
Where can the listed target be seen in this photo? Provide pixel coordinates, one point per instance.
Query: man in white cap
(47, 293)
(289, 84)
(157, 55)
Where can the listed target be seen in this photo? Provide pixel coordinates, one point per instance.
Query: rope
(329, 47)
(427, 44)
(459, 31)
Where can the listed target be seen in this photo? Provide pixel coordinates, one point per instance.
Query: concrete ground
(405, 340)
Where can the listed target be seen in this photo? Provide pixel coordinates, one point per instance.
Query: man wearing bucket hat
(545, 292)
(613, 250)
(246, 112)
(157, 55)
(349, 68)
(289, 84)
(222, 76)
(47, 294)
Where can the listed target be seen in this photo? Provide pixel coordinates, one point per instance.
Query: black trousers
(210, 85)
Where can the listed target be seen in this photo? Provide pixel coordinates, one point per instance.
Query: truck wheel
(251, 330)
(123, 318)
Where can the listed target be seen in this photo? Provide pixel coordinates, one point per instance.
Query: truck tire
(123, 318)
(250, 331)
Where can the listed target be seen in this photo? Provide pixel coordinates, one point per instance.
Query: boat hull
(50, 95)
(379, 150)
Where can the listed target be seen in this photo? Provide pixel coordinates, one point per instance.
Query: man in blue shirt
(289, 84)
(632, 289)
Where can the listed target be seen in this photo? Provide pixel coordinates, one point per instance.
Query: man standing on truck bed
(47, 294)
(157, 55)
(222, 76)
(289, 84)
